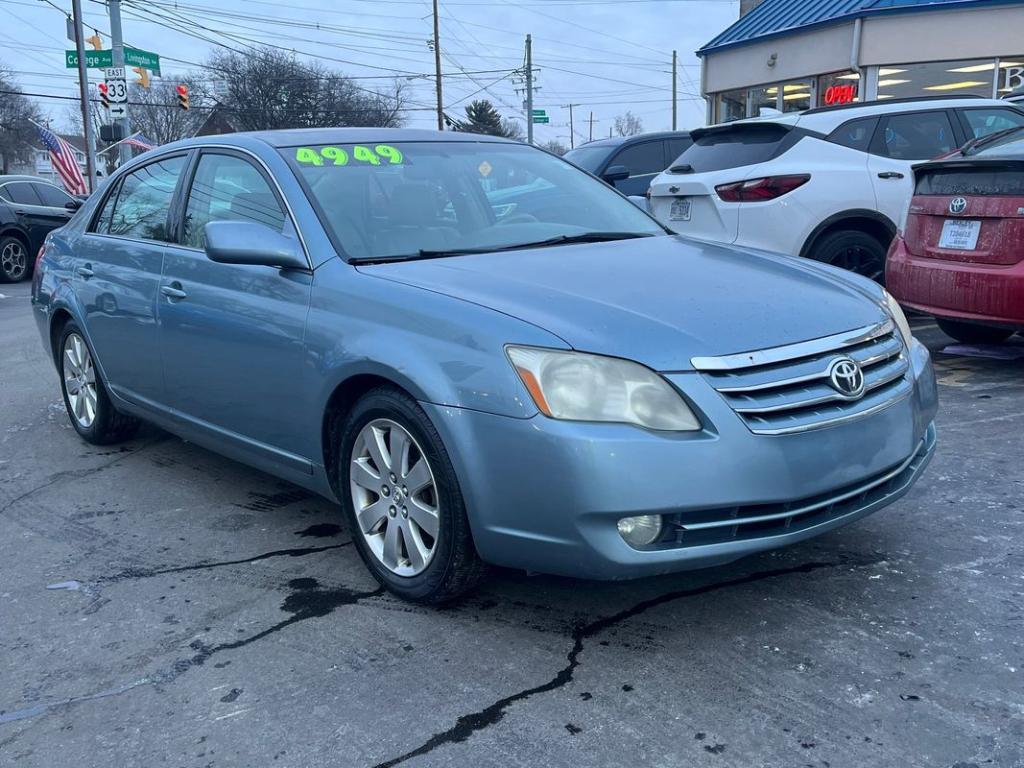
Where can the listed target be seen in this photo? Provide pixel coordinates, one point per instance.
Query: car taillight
(766, 188)
(39, 257)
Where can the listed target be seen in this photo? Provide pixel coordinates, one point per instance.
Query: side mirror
(246, 242)
(73, 205)
(615, 173)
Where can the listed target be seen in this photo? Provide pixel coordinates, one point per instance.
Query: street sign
(544, 119)
(540, 113)
(118, 111)
(117, 87)
(104, 59)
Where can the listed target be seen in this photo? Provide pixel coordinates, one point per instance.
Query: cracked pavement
(161, 605)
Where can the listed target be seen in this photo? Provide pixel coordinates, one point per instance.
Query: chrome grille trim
(793, 351)
(838, 419)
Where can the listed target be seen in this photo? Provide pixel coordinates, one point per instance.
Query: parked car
(1016, 96)
(573, 392)
(630, 163)
(961, 256)
(829, 184)
(29, 209)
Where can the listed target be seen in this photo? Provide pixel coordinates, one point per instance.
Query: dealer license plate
(680, 209)
(960, 234)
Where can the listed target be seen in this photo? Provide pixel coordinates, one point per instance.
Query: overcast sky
(605, 55)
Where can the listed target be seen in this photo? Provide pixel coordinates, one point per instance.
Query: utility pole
(83, 88)
(117, 55)
(591, 125)
(529, 89)
(675, 100)
(572, 133)
(437, 68)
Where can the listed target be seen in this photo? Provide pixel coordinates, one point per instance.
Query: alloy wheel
(13, 260)
(79, 380)
(395, 497)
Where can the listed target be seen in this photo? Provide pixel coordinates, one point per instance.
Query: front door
(231, 336)
(116, 276)
(34, 215)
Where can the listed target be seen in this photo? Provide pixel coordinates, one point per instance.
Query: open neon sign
(840, 94)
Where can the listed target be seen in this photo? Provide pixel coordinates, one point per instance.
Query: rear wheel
(402, 500)
(969, 333)
(92, 414)
(853, 250)
(13, 260)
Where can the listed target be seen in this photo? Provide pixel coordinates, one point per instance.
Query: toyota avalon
(484, 354)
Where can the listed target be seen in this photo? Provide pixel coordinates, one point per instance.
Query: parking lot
(161, 605)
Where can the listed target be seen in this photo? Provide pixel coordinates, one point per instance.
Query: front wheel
(402, 500)
(85, 397)
(969, 333)
(853, 250)
(13, 260)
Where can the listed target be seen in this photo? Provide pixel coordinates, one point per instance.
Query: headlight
(893, 308)
(582, 387)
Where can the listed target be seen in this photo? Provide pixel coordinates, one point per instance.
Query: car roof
(293, 137)
(24, 177)
(827, 119)
(618, 141)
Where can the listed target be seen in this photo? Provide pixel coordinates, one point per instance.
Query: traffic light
(104, 96)
(182, 95)
(143, 74)
(95, 41)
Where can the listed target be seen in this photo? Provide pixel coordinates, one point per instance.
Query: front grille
(754, 521)
(786, 389)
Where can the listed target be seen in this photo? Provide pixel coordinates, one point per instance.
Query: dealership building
(795, 54)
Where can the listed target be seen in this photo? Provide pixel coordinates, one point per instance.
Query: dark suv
(29, 209)
(630, 163)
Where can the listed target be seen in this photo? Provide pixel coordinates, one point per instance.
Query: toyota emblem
(957, 205)
(846, 377)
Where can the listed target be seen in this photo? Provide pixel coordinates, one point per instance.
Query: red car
(961, 255)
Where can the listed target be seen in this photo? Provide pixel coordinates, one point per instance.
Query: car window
(648, 157)
(917, 136)
(20, 192)
(228, 188)
(102, 223)
(51, 196)
(144, 200)
(384, 201)
(675, 147)
(588, 158)
(734, 147)
(982, 122)
(855, 134)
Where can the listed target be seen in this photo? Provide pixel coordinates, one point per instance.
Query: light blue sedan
(483, 353)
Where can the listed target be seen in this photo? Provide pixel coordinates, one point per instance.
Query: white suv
(832, 184)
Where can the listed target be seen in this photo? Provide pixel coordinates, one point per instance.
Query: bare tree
(272, 89)
(17, 134)
(555, 147)
(628, 124)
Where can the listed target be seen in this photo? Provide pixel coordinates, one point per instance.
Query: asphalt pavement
(163, 606)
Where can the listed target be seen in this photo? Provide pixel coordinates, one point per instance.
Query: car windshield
(588, 158)
(418, 199)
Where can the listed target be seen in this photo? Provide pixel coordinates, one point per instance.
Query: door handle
(173, 291)
(85, 272)
(890, 175)
(20, 212)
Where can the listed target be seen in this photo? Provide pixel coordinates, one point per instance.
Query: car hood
(658, 301)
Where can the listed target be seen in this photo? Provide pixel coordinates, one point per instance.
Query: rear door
(231, 335)
(901, 140)
(645, 160)
(686, 201)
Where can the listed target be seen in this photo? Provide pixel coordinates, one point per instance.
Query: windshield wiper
(975, 144)
(585, 237)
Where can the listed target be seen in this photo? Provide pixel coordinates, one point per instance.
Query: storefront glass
(796, 96)
(732, 105)
(838, 88)
(762, 98)
(941, 78)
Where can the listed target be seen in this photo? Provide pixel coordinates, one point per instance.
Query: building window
(765, 97)
(796, 96)
(973, 77)
(732, 105)
(838, 88)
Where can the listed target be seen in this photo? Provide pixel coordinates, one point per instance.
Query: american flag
(140, 141)
(62, 155)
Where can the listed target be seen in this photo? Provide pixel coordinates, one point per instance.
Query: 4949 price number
(381, 154)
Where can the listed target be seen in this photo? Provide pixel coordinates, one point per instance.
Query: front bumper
(956, 290)
(545, 495)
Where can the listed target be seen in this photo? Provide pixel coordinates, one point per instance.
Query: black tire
(15, 260)
(853, 250)
(455, 567)
(969, 333)
(108, 425)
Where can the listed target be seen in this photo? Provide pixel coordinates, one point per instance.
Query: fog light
(640, 531)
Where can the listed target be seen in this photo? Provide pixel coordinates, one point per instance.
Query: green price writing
(381, 154)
